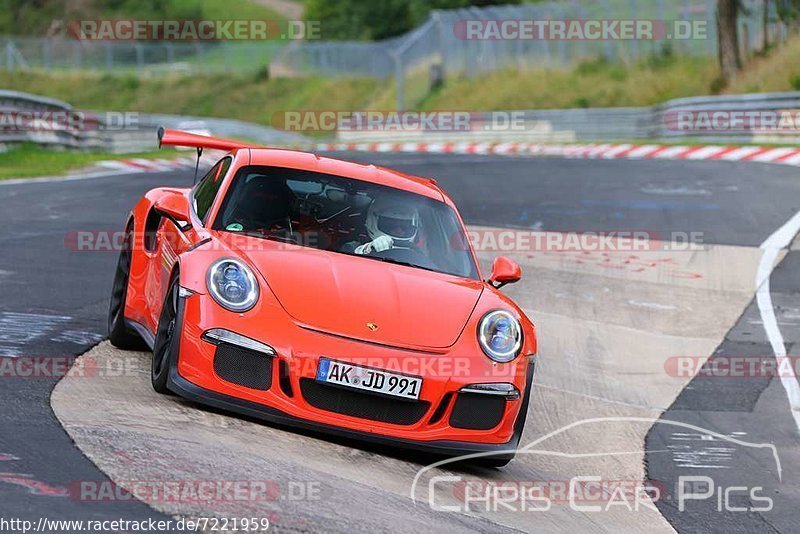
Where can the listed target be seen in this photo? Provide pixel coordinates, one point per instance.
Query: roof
(307, 161)
(358, 171)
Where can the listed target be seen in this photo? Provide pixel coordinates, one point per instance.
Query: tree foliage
(788, 10)
(378, 19)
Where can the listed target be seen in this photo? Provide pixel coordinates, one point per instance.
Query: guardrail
(50, 122)
(681, 120)
(15, 105)
(699, 119)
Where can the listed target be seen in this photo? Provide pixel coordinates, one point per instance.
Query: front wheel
(118, 332)
(166, 337)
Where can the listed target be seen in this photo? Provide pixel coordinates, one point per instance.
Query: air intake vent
(284, 378)
(243, 367)
(441, 409)
(364, 405)
(473, 411)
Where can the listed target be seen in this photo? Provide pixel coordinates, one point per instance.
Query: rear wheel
(118, 332)
(166, 337)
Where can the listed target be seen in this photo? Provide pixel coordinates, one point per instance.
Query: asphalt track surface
(54, 304)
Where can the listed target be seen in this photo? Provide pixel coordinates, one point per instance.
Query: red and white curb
(782, 155)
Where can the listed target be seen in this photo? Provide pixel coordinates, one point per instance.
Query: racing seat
(263, 203)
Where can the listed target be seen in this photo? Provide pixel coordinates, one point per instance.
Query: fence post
(609, 45)
(9, 56)
(634, 43)
(440, 35)
(399, 79)
(226, 53)
(711, 29)
(46, 51)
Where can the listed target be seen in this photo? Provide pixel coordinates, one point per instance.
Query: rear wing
(168, 137)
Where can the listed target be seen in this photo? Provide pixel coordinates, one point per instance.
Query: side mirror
(504, 271)
(175, 207)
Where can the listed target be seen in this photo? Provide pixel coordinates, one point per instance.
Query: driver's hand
(379, 244)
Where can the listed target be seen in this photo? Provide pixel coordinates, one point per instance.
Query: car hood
(345, 295)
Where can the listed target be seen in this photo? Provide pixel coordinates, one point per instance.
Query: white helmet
(395, 219)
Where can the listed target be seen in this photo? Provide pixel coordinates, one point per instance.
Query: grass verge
(28, 160)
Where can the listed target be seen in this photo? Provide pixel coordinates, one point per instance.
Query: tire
(118, 332)
(166, 336)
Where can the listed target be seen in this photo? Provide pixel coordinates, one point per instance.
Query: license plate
(368, 379)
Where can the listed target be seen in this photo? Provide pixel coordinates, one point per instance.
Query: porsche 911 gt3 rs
(328, 295)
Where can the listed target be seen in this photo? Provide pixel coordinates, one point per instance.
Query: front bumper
(193, 376)
(187, 390)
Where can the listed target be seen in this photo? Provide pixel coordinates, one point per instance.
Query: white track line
(781, 239)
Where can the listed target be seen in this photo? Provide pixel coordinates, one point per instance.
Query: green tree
(378, 19)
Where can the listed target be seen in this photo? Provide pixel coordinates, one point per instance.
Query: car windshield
(346, 216)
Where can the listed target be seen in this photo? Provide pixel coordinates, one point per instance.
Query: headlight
(232, 284)
(500, 336)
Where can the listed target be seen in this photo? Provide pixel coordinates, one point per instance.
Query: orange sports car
(328, 295)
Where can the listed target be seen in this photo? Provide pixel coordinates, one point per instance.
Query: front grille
(363, 405)
(473, 411)
(243, 367)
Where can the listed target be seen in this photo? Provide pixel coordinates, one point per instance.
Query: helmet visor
(399, 227)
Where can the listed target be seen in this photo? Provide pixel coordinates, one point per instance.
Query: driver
(389, 224)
